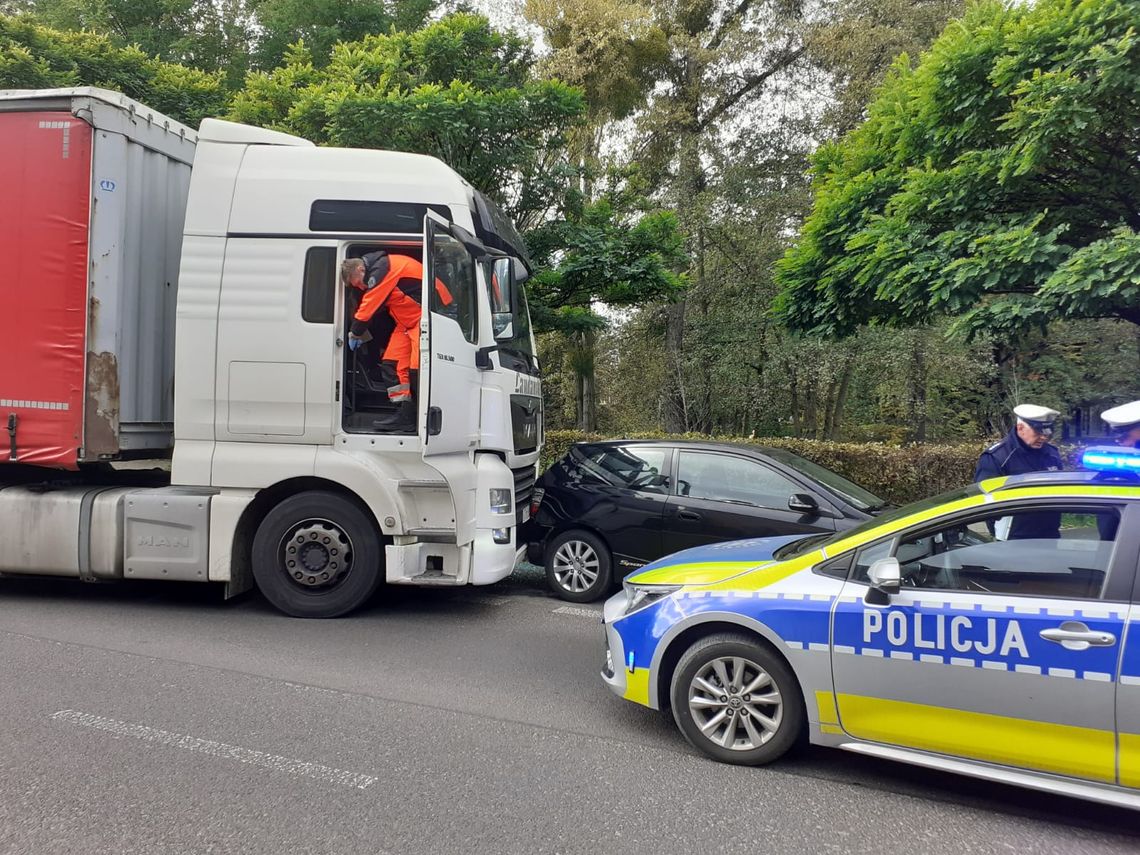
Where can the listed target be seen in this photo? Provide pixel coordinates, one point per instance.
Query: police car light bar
(1112, 459)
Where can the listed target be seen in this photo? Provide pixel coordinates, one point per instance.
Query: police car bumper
(613, 670)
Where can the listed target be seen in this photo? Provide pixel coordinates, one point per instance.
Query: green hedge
(899, 474)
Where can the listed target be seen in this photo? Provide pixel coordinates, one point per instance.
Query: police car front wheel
(736, 700)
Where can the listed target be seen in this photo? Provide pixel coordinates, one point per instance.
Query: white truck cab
(279, 475)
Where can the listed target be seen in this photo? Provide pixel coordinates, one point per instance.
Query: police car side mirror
(885, 575)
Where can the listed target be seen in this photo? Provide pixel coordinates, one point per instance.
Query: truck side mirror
(504, 324)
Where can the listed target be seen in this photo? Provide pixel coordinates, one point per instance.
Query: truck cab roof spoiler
(221, 131)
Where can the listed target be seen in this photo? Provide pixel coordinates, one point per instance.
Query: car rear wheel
(736, 700)
(578, 566)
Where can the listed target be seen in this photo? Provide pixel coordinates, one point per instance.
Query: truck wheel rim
(315, 554)
(735, 703)
(576, 566)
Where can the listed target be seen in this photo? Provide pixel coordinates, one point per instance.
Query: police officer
(1124, 426)
(1026, 448)
(1124, 423)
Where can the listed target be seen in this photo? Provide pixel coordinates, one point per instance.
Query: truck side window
(455, 268)
(318, 296)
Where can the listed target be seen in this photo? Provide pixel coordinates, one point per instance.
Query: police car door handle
(1082, 636)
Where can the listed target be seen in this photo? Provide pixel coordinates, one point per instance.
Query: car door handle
(691, 516)
(1077, 636)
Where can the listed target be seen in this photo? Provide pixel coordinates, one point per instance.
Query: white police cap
(1123, 416)
(1034, 413)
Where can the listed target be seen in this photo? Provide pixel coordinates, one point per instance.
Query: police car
(932, 635)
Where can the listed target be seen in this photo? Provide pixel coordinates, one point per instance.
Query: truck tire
(317, 555)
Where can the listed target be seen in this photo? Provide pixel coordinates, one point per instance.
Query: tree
(860, 41)
(610, 252)
(33, 56)
(996, 182)
(320, 24)
(212, 35)
(455, 89)
(722, 58)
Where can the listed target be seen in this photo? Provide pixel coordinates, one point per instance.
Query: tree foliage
(232, 36)
(608, 253)
(34, 57)
(455, 89)
(996, 181)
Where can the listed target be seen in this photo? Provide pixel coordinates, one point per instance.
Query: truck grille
(524, 489)
(526, 410)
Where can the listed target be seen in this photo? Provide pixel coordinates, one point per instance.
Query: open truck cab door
(449, 334)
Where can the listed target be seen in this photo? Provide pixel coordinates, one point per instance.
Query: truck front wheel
(317, 555)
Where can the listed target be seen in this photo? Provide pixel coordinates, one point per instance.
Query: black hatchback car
(607, 508)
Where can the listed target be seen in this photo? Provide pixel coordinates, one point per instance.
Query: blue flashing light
(1112, 459)
(629, 661)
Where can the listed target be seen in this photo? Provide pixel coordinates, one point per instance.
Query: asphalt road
(148, 718)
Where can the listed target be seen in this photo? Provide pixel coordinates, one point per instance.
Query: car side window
(629, 467)
(728, 478)
(1061, 551)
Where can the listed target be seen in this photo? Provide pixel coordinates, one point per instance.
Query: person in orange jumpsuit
(392, 281)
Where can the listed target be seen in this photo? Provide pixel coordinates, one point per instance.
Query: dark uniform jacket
(1011, 456)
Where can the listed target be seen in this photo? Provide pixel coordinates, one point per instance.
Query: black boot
(401, 421)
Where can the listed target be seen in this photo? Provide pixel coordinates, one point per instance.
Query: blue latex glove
(354, 343)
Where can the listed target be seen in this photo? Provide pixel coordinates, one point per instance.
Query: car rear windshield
(802, 547)
(859, 498)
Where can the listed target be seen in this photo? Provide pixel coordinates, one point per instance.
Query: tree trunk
(917, 395)
(793, 389)
(582, 359)
(835, 417)
(689, 186)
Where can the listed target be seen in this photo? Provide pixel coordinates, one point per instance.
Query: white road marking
(209, 747)
(572, 610)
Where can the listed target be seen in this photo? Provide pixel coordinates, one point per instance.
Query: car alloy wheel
(735, 703)
(576, 566)
(736, 699)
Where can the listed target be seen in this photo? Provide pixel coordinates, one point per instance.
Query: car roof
(1074, 478)
(708, 445)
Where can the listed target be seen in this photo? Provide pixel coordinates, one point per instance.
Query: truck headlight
(501, 501)
(640, 596)
(501, 535)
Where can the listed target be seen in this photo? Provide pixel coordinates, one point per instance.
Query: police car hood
(704, 565)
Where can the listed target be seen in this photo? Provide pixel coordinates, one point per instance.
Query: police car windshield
(802, 547)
